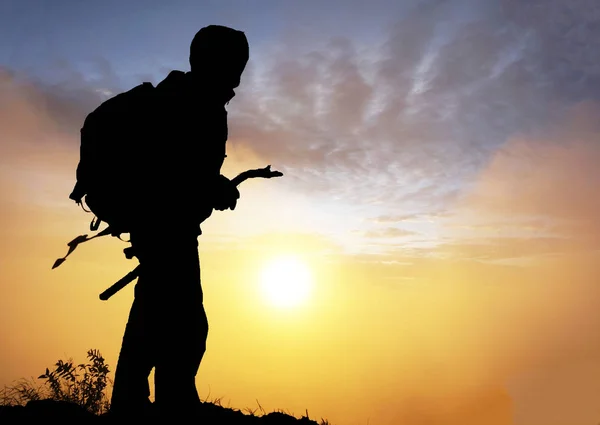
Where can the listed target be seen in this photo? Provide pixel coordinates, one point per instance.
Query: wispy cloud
(399, 130)
(410, 124)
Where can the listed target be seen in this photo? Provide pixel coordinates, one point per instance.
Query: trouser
(166, 330)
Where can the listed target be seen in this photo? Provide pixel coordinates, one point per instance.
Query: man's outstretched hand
(265, 173)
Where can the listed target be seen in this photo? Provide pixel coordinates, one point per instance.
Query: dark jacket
(186, 138)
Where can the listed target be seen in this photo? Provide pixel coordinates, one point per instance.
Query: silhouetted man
(186, 135)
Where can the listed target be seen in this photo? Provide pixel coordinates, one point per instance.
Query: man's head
(219, 54)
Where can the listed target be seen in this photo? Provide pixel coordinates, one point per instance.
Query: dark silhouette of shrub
(78, 392)
(84, 385)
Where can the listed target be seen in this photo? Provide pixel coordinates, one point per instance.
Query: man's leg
(179, 360)
(131, 389)
(182, 330)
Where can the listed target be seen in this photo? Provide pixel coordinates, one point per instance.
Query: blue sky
(146, 36)
(134, 37)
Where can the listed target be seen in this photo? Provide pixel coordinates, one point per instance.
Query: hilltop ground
(209, 414)
(71, 392)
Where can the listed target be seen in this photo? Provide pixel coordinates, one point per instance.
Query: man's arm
(265, 173)
(228, 192)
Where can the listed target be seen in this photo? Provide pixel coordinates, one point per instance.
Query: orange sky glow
(383, 336)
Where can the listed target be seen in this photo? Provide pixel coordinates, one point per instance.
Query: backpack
(110, 176)
(107, 175)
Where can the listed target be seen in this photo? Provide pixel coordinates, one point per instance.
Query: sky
(440, 173)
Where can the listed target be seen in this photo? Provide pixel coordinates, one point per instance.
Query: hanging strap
(95, 224)
(79, 240)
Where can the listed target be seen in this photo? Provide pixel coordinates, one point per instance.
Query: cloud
(405, 124)
(389, 232)
(26, 101)
(549, 183)
(523, 242)
(566, 38)
(39, 143)
(408, 122)
(510, 290)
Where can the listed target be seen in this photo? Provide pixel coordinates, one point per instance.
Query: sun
(286, 281)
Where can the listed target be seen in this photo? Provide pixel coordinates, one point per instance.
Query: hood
(220, 53)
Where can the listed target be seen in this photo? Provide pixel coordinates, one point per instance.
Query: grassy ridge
(79, 392)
